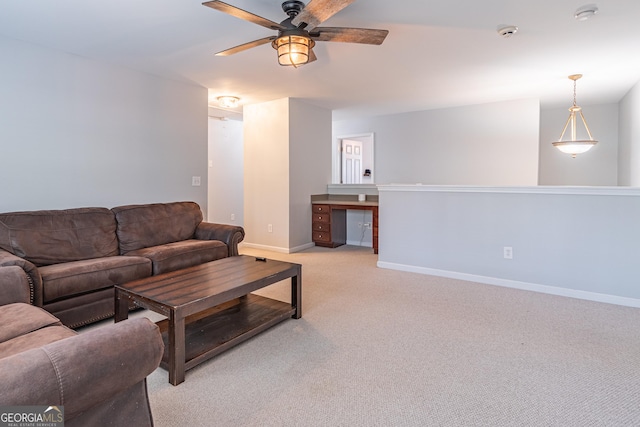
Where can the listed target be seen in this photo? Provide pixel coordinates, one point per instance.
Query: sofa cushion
(19, 318)
(187, 253)
(143, 226)
(55, 236)
(79, 277)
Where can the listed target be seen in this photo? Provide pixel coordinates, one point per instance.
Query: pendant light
(575, 146)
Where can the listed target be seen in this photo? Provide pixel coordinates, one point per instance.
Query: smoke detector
(507, 31)
(585, 12)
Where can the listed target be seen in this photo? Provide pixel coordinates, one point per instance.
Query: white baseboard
(276, 248)
(545, 289)
(364, 244)
(301, 247)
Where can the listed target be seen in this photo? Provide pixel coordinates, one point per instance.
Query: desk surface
(344, 202)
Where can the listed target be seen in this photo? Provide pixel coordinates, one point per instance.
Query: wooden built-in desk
(329, 222)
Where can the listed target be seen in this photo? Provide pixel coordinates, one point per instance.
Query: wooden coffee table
(210, 307)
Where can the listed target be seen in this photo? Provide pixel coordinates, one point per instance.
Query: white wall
(629, 145)
(286, 160)
(266, 174)
(489, 144)
(598, 166)
(574, 241)
(226, 171)
(309, 166)
(357, 234)
(76, 132)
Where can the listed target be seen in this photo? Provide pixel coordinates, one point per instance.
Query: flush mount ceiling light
(228, 101)
(585, 12)
(507, 31)
(575, 146)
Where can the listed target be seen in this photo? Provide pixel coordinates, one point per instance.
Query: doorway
(356, 159)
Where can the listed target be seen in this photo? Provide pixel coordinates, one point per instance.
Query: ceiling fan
(297, 35)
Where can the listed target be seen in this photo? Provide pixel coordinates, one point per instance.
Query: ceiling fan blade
(243, 14)
(246, 46)
(318, 11)
(349, 35)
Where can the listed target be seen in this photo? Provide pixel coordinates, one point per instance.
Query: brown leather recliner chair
(98, 376)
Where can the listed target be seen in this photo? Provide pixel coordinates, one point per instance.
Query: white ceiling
(438, 53)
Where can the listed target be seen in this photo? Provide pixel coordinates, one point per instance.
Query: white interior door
(351, 161)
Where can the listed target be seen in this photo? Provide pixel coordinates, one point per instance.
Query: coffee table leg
(176, 349)
(296, 293)
(121, 306)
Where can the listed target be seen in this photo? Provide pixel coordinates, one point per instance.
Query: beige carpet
(378, 347)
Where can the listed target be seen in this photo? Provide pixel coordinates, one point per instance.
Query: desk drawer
(319, 236)
(322, 226)
(321, 217)
(321, 208)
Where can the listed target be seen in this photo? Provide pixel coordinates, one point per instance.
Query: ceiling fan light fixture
(227, 101)
(298, 34)
(293, 49)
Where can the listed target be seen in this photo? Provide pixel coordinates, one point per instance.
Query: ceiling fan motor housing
(292, 7)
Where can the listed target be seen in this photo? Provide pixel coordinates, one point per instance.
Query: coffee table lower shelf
(213, 331)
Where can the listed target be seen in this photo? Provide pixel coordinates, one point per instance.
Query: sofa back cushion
(55, 236)
(143, 226)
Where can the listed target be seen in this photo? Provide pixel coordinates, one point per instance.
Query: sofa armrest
(231, 235)
(85, 370)
(33, 275)
(15, 286)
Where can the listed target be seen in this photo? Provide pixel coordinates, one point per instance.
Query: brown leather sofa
(74, 257)
(98, 376)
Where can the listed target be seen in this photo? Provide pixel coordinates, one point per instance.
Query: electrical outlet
(508, 252)
(233, 217)
(270, 228)
(195, 181)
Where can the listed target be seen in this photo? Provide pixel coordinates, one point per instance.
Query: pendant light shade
(293, 49)
(575, 146)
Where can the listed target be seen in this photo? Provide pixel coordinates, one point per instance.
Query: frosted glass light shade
(293, 50)
(228, 101)
(574, 147)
